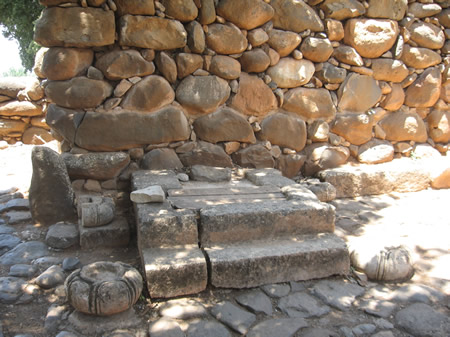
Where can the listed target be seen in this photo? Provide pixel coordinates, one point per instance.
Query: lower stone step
(252, 264)
(114, 234)
(172, 272)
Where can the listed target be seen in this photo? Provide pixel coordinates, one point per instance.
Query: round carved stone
(104, 288)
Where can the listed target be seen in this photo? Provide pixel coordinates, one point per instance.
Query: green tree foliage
(17, 18)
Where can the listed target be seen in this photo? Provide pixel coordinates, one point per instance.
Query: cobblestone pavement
(338, 306)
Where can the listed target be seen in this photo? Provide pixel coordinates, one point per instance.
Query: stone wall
(297, 85)
(22, 111)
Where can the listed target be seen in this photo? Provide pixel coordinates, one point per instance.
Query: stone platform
(249, 231)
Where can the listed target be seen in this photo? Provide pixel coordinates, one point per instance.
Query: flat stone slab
(251, 264)
(114, 234)
(209, 173)
(159, 225)
(11, 288)
(8, 242)
(338, 294)
(280, 327)
(148, 195)
(421, 320)
(182, 308)
(172, 272)
(165, 327)
(16, 217)
(302, 305)
(206, 329)
(256, 301)
(268, 176)
(234, 317)
(263, 221)
(15, 205)
(24, 253)
(165, 178)
(400, 175)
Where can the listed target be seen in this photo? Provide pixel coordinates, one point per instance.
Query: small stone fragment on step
(149, 194)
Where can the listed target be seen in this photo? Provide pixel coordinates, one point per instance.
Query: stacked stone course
(296, 85)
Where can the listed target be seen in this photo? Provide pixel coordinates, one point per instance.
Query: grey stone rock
(10, 289)
(165, 327)
(51, 195)
(234, 317)
(324, 191)
(46, 262)
(114, 234)
(99, 166)
(338, 294)
(5, 229)
(16, 217)
(268, 176)
(54, 318)
(24, 253)
(421, 320)
(378, 308)
(209, 173)
(164, 178)
(148, 195)
(22, 270)
(319, 332)
(7, 197)
(183, 308)
(62, 235)
(383, 324)
(15, 205)
(71, 263)
(161, 159)
(276, 290)
(346, 331)
(51, 278)
(364, 329)
(280, 327)
(254, 156)
(8, 242)
(206, 154)
(302, 305)
(256, 301)
(66, 334)
(416, 293)
(207, 329)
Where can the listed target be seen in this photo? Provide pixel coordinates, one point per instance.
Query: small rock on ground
(302, 305)
(50, 278)
(24, 253)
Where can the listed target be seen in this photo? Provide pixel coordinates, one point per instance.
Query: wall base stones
(207, 83)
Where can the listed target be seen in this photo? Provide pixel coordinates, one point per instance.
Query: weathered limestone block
(420, 58)
(16, 108)
(389, 70)
(96, 165)
(148, 95)
(64, 121)
(224, 125)
(387, 9)
(254, 156)
(371, 37)
(112, 131)
(254, 97)
(183, 10)
(202, 94)
(245, 14)
(283, 42)
(196, 37)
(316, 50)
(342, 9)
(425, 91)
(423, 10)
(284, 130)
(36, 136)
(225, 39)
(254, 61)
(322, 156)
(151, 32)
(112, 235)
(188, 63)
(10, 86)
(358, 93)
(404, 126)
(78, 93)
(159, 159)
(121, 64)
(291, 73)
(225, 67)
(376, 151)
(135, 7)
(51, 195)
(61, 64)
(348, 55)
(395, 99)
(206, 154)
(209, 173)
(329, 73)
(355, 128)
(75, 27)
(439, 126)
(9, 126)
(310, 104)
(104, 288)
(295, 15)
(427, 35)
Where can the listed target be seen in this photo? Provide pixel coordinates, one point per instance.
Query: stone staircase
(242, 233)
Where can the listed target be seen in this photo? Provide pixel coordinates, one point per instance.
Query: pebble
(256, 301)
(71, 263)
(22, 270)
(234, 317)
(50, 278)
(276, 290)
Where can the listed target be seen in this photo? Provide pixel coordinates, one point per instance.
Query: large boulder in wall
(295, 15)
(75, 27)
(61, 64)
(310, 104)
(114, 130)
(404, 126)
(245, 14)
(51, 195)
(425, 90)
(120, 64)
(355, 128)
(358, 93)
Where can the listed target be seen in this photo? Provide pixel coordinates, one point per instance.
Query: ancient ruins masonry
(295, 85)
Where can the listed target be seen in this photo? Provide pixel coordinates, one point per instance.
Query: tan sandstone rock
(61, 64)
(334, 29)
(387, 9)
(357, 129)
(348, 55)
(283, 42)
(425, 91)
(322, 156)
(439, 126)
(310, 104)
(376, 151)
(121, 64)
(225, 67)
(423, 10)
(188, 63)
(196, 37)
(389, 70)
(255, 61)
(135, 7)
(245, 14)
(295, 15)
(225, 39)
(420, 58)
(404, 126)
(342, 9)
(167, 66)
(316, 50)
(358, 93)
(291, 73)
(183, 10)
(427, 35)
(16, 108)
(395, 99)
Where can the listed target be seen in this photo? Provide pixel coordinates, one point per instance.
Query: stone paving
(33, 301)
